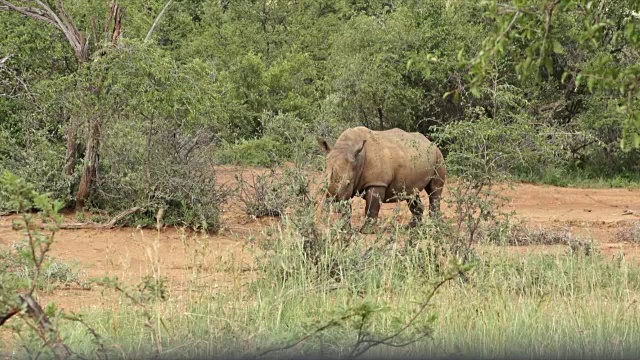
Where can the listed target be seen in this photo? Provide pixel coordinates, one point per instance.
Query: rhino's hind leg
(434, 190)
(373, 198)
(417, 209)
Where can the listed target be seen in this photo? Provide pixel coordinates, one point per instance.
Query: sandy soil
(131, 253)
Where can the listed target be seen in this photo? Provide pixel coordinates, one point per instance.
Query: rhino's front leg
(373, 197)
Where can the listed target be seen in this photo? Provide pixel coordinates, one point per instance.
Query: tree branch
(44, 325)
(332, 323)
(34, 310)
(61, 20)
(155, 23)
(368, 344)
(506, 8)
(31, 12)
(8, 315)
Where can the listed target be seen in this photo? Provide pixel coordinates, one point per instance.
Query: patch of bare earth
(131, 253)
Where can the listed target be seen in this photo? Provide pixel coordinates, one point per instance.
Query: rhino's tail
(436, 184)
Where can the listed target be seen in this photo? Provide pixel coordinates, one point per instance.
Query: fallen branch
(123, 215)
(91, 225)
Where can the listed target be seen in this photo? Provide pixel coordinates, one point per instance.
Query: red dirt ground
(130, 253)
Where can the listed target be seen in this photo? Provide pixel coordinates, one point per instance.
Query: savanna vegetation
(126, 110)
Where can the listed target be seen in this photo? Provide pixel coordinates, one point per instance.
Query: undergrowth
(314, 287)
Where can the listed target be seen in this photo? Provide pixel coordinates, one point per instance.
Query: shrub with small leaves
(629, 233)
(264, 195)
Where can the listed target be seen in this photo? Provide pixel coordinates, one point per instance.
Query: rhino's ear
(358, 150)
(324, 145)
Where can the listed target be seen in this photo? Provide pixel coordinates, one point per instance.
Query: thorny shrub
(629, 233)
(274, 192)
(518, 233)
(479, 155)
(319, 255)
(177, 175)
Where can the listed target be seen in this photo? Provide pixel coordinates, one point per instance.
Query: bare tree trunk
(90, 162)
(58, 18)
(62, 21)
(381, 117)
(116, 15)
(364, 116)
(94, 134)
(72, 147)
(264, 20)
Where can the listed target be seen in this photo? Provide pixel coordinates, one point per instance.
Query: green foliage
(546, 39)
(30, 268)
(155, 153)
(17, 271)
(31, 255)
(259, 152)
(258, 81)
(40, 162)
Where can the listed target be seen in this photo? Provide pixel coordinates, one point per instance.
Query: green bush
(41, 163)
(258, 152)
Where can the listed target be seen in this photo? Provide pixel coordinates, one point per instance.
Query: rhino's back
(400, 160)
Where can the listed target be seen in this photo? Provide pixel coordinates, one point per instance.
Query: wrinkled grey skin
(381, 165)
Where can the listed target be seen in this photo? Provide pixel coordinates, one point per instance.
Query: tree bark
(90, 163)
(116, 15)
(72, 148)
(94, 134)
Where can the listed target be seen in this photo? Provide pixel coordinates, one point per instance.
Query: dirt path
(132, 253)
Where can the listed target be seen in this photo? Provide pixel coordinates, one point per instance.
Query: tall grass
(361, 288)
(538, 305)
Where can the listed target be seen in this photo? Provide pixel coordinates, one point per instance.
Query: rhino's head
(344, 166)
